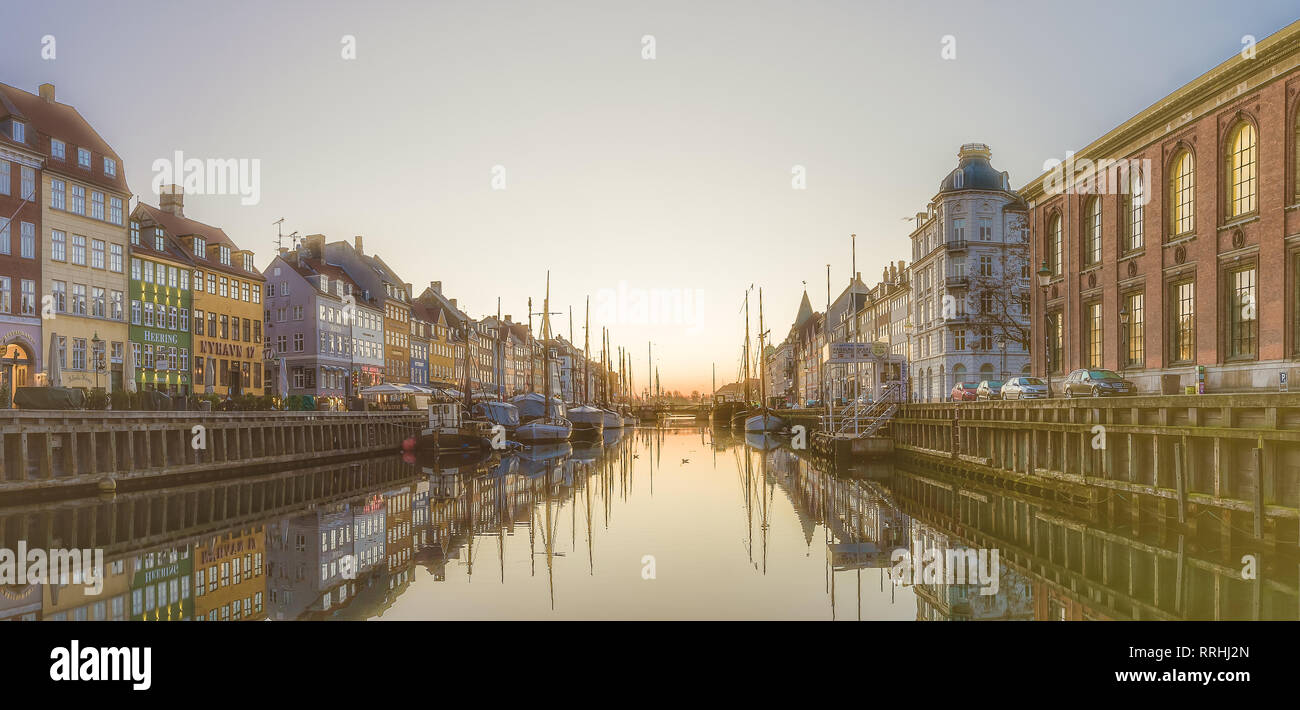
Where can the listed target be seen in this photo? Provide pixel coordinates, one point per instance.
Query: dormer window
(135, 233)
(324, 283)
(58, 149)
(200, 247)
(110, 167)
(159, 243)
(19, 131)
(248, 262)
(83, 158)
(223, 252)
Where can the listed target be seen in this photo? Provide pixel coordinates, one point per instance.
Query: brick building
(1182, 249)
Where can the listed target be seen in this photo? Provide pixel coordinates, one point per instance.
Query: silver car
(1024, 388)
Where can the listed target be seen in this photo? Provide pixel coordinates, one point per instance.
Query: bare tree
(1001, 298)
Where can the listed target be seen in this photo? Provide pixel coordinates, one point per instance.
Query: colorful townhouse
(318, 346)
(160, 305)
(226, 292)
(82, 237)
(20, 251)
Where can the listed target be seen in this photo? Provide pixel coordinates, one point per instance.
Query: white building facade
(970, 280)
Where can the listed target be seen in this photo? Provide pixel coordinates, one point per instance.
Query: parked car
(1097, 383)
(1025, 388)
(963, 392)
(989, 389)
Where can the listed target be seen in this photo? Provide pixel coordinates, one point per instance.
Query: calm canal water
(652, 523)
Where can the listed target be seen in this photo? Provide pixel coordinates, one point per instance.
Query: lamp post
(908, 328)
(9, 361)
(97, 353)
(1002, 347)
(1123, 353)
(1044, 278)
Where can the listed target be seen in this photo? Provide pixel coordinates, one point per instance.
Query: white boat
(544, 430)
(533, 405)
(612, 420)
(759, 423)
(588, 421)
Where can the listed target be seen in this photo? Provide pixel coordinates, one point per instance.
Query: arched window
(986, 371)
(1242, 185)
(958, 374)
(1054, 244)
(1182, 193)
(1092, 232)
(1136, 204)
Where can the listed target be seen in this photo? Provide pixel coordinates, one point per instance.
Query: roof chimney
(356, 242)
(314, 244)
(410, 291)
(47, 92)
(436, 287)
(453, 304)
(172, 199)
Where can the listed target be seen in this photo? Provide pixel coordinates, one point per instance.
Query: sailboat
(741, 414)
(588, 421)
(551, 425)
(763, 421)
(612, 419)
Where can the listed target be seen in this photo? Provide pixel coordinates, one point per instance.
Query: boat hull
(447, 442)
(540, 431)
(760, 423)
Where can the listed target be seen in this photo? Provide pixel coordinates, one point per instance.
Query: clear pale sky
(671, 173)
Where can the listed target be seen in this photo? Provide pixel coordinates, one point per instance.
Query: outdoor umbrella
(282, 382)
(56, 378)
(209, 376)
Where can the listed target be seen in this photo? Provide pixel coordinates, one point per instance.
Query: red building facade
(1173, 241)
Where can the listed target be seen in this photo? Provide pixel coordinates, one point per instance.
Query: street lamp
(908, 328)
(1123, 353)
(1002, 346)
(97, 352)
(1044, 278)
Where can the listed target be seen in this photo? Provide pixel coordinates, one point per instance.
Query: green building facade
(160, 306)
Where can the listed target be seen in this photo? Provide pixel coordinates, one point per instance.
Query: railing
(956, 244)
(46, 449)
(867, 418)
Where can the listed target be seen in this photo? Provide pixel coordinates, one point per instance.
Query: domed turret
(973, 171)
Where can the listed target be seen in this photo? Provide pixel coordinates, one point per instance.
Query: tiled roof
(179, 227)
(49, 119)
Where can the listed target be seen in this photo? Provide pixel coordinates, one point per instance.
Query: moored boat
(450, 431)
(588, 422)
(764, 422)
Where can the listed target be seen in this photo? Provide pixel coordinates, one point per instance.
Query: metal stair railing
(873, 415)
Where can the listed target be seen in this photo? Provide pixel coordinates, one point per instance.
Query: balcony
(961, 281)
(956, 245)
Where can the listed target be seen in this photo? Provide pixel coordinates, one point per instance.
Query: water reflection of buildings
(20, 602)
(863, 526)
(310, 557)
(229, 579)
(72, 602)
(941, 601)
(161, 585)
